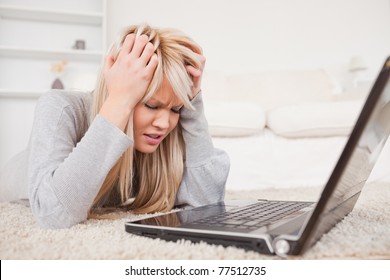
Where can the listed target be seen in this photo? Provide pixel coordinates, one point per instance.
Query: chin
(146, 150)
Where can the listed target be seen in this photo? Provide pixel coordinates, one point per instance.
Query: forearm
(199, 145)
(206, 168)
(62, 191)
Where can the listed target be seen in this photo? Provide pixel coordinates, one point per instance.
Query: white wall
(255, 35)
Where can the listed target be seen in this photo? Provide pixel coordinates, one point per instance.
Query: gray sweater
(69, 158)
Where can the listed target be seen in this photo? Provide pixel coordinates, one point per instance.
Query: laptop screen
(356, 162)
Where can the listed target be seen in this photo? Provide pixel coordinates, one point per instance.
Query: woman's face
(155, 119)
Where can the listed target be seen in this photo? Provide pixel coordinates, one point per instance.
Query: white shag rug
(364, 234)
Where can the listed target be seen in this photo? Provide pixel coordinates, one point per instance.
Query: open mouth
(153, 139)
(153, 136)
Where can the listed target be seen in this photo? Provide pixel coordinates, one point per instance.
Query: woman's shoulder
(72, 106)
(63, 98)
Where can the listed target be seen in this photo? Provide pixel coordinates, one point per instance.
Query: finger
(127, 45)
(202, 60)
(152, 65)
(194, 72)
(139, 45)
(109, 61)
(147, 53)
(198, 50)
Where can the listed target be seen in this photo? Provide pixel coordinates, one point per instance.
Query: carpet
(363, 234)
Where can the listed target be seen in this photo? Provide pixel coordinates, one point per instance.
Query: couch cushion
(315, 119)
(281, 88)
(231, 119)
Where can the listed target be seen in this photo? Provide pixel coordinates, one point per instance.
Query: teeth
(153, 136)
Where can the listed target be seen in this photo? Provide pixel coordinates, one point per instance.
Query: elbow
(220, 176)
(216, 178)
(57, 218)
(50, 212)
(224, 168)
(62, 221)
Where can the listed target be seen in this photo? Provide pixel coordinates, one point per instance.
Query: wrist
(195, 93)
(197, 111)
(117, 111)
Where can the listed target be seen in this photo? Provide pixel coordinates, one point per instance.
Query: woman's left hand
(196, 75)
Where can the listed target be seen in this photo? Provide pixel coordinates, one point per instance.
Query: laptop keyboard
(253, 216)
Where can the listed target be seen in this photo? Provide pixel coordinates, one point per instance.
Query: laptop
(287, 227)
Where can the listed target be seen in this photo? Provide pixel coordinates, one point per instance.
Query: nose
(162, 119)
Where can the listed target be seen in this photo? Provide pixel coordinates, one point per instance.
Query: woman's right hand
(127, 78)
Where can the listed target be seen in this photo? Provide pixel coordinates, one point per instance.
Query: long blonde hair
(151, 179)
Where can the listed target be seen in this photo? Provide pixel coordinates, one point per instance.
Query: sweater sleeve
(206, 168)
(66, 173)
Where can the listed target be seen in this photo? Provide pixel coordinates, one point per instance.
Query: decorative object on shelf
(57, 84)
(79, 45)
(58, 68)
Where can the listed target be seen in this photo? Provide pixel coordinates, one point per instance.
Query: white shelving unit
(77, 55)
(22, 13)
(36, 34)
(24, 93)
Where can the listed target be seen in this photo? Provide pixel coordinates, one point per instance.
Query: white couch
(281, 128)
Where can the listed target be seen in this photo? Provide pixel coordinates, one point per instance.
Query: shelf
(15, 12)
(13, 93)
(78, 55)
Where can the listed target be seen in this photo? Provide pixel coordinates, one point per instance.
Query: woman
(140, 143)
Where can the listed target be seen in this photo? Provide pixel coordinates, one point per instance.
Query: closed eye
(151, 106)
(176, 110)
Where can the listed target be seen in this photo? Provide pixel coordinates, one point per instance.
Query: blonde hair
(152, 179)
